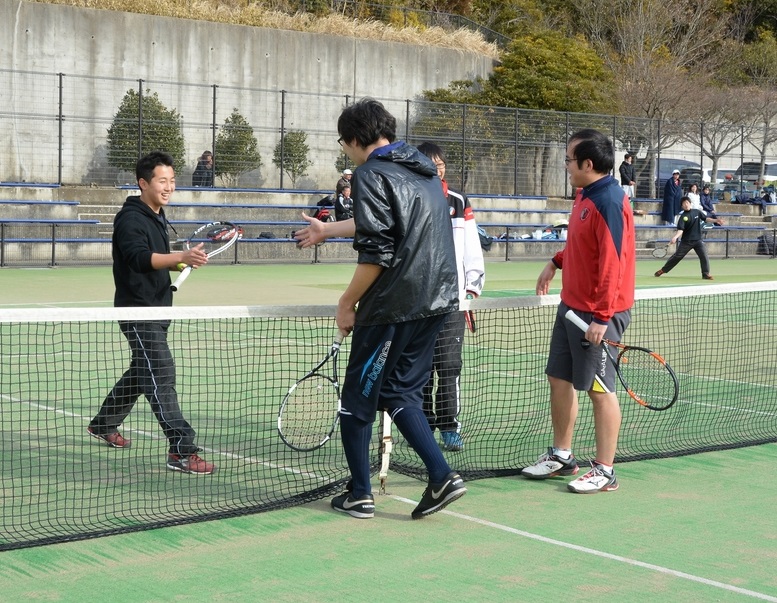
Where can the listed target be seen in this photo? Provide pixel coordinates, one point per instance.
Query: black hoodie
(137, 234)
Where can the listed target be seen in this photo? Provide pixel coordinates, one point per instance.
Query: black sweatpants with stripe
(152, 374)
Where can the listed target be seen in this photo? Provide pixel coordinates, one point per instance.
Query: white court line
(153, 436)
(610, 556)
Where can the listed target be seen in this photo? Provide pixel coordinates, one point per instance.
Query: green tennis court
(692, 528)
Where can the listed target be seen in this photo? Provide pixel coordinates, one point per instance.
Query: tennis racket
(216, 237)
(645, 375)
(469, 316)
(311, 409)
(661, 252)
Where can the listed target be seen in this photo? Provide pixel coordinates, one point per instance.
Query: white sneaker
(596, 480)
(550, 465)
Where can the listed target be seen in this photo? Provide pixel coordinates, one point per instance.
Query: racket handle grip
(576, 320)
(181, 278)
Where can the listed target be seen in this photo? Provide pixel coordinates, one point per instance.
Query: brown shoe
(191, 463)
(114, 440)
(658, 273)
(707, 277)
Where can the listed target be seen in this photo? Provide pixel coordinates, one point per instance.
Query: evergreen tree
(160, 129)
(236, 149)
(291, 155)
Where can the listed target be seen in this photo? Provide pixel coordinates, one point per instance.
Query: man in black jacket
(141, 272)
(626, 171)
(689, 233)
(405, 285)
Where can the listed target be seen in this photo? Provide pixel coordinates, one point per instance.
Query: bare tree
(724, 116)
(657, 50)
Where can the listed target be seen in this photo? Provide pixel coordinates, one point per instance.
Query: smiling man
(598, 268)
(142, 261)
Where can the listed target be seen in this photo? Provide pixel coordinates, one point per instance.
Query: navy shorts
(389, 366)
(573, 359)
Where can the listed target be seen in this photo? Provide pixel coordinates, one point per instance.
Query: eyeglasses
(568, 160)
(439, 164)
(340, 141)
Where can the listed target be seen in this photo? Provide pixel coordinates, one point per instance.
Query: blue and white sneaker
(451, 441)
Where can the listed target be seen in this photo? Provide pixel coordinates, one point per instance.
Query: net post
(386, 444)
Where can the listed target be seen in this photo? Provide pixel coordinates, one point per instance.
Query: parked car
(691, 175)
(750, 171)
(665, 165)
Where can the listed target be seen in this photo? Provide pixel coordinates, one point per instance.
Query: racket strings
(309, 412)
(647, 377)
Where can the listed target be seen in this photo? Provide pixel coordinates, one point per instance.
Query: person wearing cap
(345, 180)
(673, 191)
(626, 171)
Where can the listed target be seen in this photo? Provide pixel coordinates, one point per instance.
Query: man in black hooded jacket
(405, 284)
(141, 272)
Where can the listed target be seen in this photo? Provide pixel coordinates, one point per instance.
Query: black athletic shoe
(363, 508)
(439, 496)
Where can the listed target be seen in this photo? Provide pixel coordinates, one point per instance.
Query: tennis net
(235, 364)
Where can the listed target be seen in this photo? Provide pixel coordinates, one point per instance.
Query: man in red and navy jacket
(598, 264)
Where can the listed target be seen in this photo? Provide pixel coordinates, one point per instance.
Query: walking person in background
(689, 233)
(598, 277)
(672, 193)
(141, 273)
(626, 171)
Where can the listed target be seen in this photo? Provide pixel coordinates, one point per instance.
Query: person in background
(344, 204)
(598, 265)
(707, 203)
(345, 180)
(402, 290)
(693, 195)
(672, 193)
(689, 232)
(142, 261)
(626, 171)
(442, 406)
(203, 173)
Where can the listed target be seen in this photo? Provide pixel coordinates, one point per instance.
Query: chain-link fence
(84, 130)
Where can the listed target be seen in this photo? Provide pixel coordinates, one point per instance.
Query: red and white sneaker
(114, 440)
(596, 480)
(190, 463)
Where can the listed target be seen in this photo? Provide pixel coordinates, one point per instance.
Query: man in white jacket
(442, 406)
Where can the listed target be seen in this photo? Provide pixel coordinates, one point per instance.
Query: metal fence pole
(213, 143)
(140, 119)
(60, 141)
(283, 130)
(53, 244)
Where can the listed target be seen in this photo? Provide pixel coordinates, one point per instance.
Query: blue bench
(47, 221)
(31, 202)
(29, 184)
